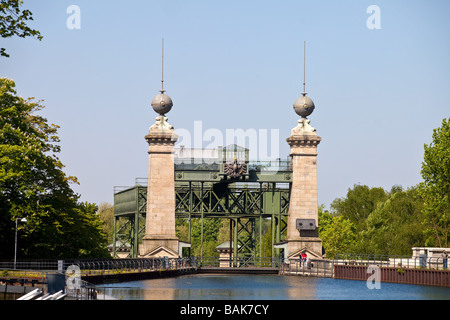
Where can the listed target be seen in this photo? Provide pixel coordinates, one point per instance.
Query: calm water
(268, 287)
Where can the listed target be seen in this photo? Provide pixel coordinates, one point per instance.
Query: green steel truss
(244, 204)
(204, 189)
(129, 220)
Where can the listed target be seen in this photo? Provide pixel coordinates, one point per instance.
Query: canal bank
(426, 277)
(388, 270)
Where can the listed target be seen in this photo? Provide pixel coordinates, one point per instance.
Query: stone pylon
(302, 232)
(160, 238)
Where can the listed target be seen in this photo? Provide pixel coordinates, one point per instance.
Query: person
(304, 256)
(444, 259)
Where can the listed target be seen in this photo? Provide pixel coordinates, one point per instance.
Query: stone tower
(302, 232)
(303, 221)
(160, 238)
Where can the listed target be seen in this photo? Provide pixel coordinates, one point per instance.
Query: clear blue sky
(238, 64)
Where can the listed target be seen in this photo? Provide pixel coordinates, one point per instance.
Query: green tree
(382, 222)
(337, 234)
(435, 188)
(325, 218)
(106, 216)
(13, 22)
(395, 226)
(211, 227)
(267, 243)
(358, 204)
(33, 185)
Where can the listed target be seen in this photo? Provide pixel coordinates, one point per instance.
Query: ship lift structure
(213, 183)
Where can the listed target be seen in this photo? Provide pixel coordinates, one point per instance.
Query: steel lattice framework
(204, 191)
(244, 207)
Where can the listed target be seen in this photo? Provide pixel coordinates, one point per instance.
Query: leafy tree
(358, 204)
(182, 229)
(224, 231)
(325, 218)
(106, 216)
(435, 188)
(33, 185)
(211, 228)
(388, 223)
(395, 226)
(267, 243)
(337, 234)
(13, 22)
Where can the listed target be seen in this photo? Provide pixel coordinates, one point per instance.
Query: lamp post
(15, 243)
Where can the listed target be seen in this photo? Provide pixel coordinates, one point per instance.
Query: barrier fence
(95, 266)
(240, 262)
(310, 267)
(417, 262)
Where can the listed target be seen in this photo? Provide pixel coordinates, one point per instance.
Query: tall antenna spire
(304, 106)
(162, 103)
(304, 68)
(162, 66)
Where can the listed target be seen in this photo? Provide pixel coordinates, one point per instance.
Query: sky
(379, 79)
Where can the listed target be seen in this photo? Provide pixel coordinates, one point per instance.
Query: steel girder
(244, 206)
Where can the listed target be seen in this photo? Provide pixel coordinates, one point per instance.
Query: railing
(85, 291)
(197, 166)
(240, 262)
(213, 165)
(271, 165)
(326, 268)
(23, 277)
(116, 266)
(422, 261)
(310, 267)
(93, 266)
(43, 265)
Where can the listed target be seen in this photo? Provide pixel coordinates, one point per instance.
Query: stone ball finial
(304, 106)
(162, 103)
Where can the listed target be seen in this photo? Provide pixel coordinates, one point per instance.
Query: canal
(267, 287)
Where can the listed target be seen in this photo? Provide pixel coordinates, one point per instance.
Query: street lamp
(15, 244)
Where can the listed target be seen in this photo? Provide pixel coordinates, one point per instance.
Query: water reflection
(257, 287)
